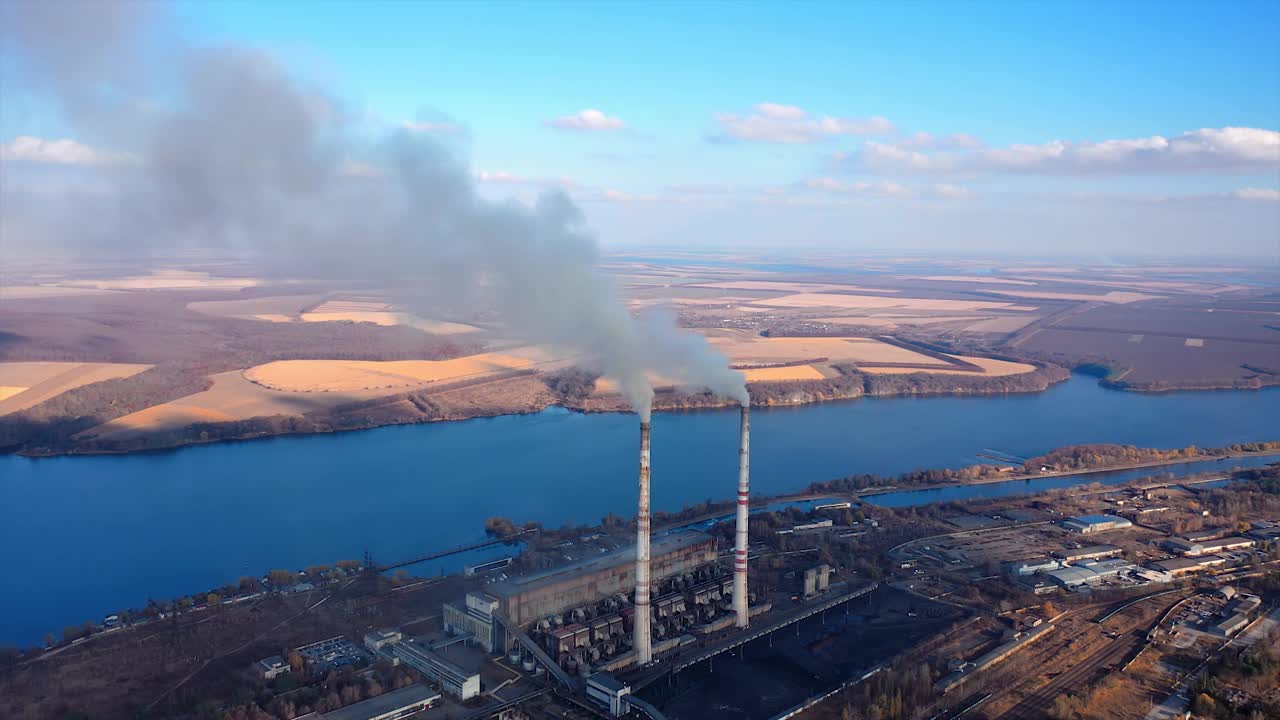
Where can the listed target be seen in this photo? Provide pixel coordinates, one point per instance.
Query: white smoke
(234, 154)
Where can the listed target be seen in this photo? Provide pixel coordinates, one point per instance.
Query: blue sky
(1006, 72)
(682, 86)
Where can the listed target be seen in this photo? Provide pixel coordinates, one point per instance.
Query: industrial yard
(1025, 607)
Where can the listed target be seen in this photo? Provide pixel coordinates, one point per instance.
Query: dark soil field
(1164, 346)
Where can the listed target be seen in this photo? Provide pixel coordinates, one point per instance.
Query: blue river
(82, 537)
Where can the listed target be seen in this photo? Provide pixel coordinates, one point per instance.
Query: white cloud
(626, 197)
(587, 120)
(25, 148)
(1252, 193)
(787, 124)
(436, 128)
(882, 188)
(944, 190)
(498, 176)
(1228, 149)
(502, 177)
(355, 168)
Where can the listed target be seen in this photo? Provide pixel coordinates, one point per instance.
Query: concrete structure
(740, 537)
(388, 706)
(533, 597)
(640, 630)
(475, 617)
(608, 691)
(1089, 552)
(1188, 547)
(379, 639)
(1231, 625)
(1106, 568)
(271, 668)
(1177, 567)
(1073, 576)
(1210, 534)
(1091, 524)
(1023, 568)
(455, 680)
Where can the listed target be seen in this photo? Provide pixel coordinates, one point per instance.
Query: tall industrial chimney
(640, 628)
(740, 551)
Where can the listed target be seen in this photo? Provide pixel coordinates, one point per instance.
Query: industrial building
(1023, 568)
(271, 668)
(532, 597)
(475, 618)
(1090, 552)
(1177, 567)
(416, 654)
(606, 690)
(1188, 547)
(388, 706)
(1106, 568)
(1091, 524)
(1073, 576)
(1231, 625)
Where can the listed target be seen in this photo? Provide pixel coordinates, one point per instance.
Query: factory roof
(658, 545)
(1099, 519)
(384, 704)
(1087, 551)
(608, 682)
(1073, 575)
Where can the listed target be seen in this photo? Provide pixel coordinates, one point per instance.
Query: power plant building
(532, 597)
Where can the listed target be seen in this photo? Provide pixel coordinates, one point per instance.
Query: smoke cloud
(221, 148)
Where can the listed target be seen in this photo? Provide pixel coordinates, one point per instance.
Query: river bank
(525, 393)
(168, 524)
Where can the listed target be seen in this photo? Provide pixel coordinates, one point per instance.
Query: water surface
(81, 537)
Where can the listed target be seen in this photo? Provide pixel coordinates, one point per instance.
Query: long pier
(453, 551)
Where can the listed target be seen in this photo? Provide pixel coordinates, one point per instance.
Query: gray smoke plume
(229, 152)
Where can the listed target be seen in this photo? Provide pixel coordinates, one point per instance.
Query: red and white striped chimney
(640, 626)
(740, 551)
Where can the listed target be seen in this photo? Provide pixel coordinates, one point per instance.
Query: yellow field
(7, 392)
(43, 380)
(750, 349)
(232, 397)
(859, 302)
(167, 280)
(378, 317)
(990, 368)
(783, 286)
(776, 374)
(311, 376)
(1115, 296)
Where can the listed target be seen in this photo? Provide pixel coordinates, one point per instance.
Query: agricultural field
(342, 376)
(232, 397)
(24, 384)
(1180, 344)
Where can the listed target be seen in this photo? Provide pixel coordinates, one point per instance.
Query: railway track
(1036, 706)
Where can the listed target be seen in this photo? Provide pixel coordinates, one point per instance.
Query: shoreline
(614, 404)
(765, 395)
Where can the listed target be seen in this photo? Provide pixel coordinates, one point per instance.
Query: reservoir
(83, 537)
